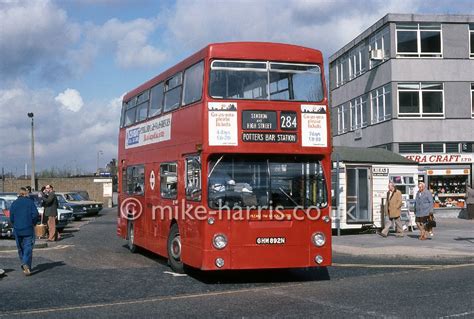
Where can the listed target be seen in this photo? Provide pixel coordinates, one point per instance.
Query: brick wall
(93, 185)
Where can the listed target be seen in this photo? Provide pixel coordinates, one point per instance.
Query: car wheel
(174, 250)
(131, 238)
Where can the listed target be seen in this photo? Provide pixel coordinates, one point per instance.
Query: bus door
(193, 191)
(168, 193)
(152, 199)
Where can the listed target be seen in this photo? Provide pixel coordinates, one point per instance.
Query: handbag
(431, 222)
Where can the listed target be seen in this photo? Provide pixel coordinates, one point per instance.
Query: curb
(38, 245)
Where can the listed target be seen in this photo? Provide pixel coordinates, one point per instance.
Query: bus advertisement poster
(314, 126)
(154, 131)
(223, 130)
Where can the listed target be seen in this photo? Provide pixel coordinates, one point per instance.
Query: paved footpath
(453, 238)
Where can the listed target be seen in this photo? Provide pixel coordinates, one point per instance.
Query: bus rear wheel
(174, 250)
(131, 238)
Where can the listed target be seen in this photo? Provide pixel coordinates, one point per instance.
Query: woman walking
(423, 208)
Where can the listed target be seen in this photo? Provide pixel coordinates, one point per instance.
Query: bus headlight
(318, 259)
(319, 239)
(219, 241)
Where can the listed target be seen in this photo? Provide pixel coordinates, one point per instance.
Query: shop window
(420, 100)
(134, 180)
(452, 147)
(448, 190)
(381, 104)
(409, 148)
(419, 40)
(169, 180)
(405, 184)
(156, 103)
(433, 148)
(193, 178)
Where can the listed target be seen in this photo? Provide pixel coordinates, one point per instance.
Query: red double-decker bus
(224, 160)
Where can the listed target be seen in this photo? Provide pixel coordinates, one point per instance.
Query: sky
(71, 61)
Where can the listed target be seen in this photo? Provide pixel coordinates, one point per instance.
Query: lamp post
(98, 155)
(32, 185)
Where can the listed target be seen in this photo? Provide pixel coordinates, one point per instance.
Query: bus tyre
(131, 238)
(174, 250)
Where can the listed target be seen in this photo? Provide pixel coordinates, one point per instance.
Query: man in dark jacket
(23, 216)
(50, 203)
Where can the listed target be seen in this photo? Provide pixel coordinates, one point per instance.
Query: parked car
(6, 227)
(5, 204)
(84, 194)
(92, 207)
(63, 218)
(78, 210)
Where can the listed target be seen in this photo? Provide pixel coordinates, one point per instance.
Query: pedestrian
(23, 216)
(423, 208)
(470, 202)
(393, 209)
(50, 203)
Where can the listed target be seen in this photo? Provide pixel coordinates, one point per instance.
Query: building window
(359, 112)
(419, 40)
(404, 148)
(467, 147)
(358, 58)
(471, 40)
(420, 100)
(433, 148)
(381, 104)
(452, 147)
(387, 147)
(342, 71)
(472, 99)
(380, 41)
(343, 118)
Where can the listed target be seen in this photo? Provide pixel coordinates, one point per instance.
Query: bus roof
(235, 51)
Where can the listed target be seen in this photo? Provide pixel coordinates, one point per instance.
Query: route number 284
(288, 121)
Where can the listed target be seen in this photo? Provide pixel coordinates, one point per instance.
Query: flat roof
(402, 17)
(368, 155)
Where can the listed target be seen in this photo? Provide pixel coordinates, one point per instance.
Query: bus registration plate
(271, 240)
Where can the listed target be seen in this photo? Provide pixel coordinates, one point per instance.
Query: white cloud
(325, 24)
(62, 139)
(70, 100)
(35, 37)
(129, 40)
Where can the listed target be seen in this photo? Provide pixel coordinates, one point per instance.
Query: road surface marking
(174, 274)
(464, 314)
(141, 301)
(403, 266)
(37, 250)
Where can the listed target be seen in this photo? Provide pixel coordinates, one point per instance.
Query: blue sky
(70, 61)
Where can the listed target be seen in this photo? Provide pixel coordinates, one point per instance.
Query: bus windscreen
(266, 81)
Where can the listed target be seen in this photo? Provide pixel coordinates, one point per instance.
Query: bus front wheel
(174, 250)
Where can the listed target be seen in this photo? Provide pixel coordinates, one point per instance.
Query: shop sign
(440, 158)
(380, 171)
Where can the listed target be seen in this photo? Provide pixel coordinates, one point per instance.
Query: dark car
(6, 227)
(78, 210)
(92, 207)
